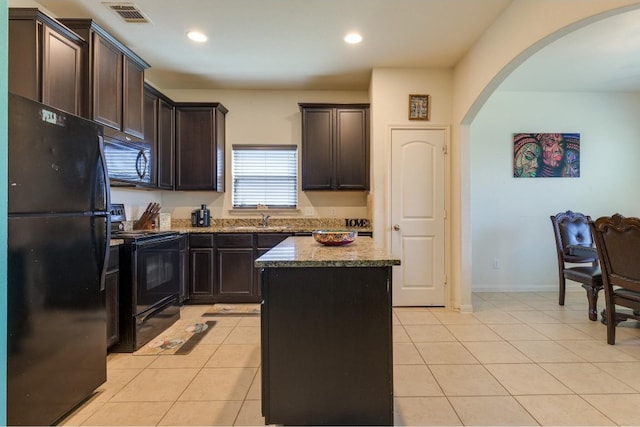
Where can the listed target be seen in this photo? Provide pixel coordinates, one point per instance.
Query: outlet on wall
(332, 212)
(308, 211)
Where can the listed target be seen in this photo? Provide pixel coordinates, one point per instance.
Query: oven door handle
(141, 318)
(156, 240)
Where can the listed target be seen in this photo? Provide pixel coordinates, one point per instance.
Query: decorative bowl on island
(334, 237)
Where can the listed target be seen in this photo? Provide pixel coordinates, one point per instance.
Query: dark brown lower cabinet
(222, 266)
(184, 269)
(326, 346)
(201, 268)
(111, 296)
(236, 280)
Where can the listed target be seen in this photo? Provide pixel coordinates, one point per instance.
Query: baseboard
(513, 288)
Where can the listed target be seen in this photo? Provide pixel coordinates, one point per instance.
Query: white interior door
(417, 216)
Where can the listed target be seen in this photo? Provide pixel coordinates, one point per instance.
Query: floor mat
(179, 339)
(234, 309)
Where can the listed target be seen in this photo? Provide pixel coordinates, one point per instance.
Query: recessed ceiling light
(353, 38)
(197, 36)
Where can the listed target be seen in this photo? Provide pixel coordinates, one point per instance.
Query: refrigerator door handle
(107, 215)
(105, 176)
(105, 263)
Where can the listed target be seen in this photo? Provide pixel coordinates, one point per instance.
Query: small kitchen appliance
(201, 217)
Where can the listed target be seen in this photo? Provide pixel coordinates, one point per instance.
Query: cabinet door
(44, 60)
(352, 149)
(318, 167)
(195, 149)
(236, 282)
(112, 297)
(24, 65)
(61, 68)
(132, 114)
(236, 273)
(107, 83)
(219, 144)
(166, 146)
(184, 269)
(150, 104)
(202, 275)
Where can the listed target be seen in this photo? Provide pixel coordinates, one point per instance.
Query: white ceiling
(297, 44)
(603, 56)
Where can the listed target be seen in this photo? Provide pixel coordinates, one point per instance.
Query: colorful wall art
(546, 155)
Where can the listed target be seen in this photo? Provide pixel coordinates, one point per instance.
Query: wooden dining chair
(572, 228)
(618, 242)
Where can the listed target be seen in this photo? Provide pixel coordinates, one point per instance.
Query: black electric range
(149, 282)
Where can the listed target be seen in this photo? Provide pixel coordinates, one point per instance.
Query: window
(265, 175)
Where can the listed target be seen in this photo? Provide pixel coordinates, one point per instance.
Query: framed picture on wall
(546, 155)
(419, 107)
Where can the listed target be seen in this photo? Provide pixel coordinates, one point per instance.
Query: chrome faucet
(265, 217)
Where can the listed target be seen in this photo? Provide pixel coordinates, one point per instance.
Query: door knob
(396, 227)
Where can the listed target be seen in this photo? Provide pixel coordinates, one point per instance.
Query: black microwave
(128, 162)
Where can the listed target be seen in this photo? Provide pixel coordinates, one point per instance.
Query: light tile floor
(519, 359)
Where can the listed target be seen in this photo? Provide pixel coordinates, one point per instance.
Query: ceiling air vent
(128, 11)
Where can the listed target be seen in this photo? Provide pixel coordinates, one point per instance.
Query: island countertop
(306, 252)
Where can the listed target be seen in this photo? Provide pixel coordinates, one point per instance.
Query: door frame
(448, 294)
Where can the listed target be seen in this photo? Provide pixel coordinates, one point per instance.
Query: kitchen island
(326, 333)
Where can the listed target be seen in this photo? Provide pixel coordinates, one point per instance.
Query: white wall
(390, 89)
(510, 216)
(501, 49)
(255, 117)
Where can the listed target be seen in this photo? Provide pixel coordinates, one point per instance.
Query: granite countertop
(306, 252)
(251, 225)
(243, 229)
(275, 225)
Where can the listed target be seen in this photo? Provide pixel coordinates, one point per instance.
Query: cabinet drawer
(201, 240)
(269, 240)
(234, 240)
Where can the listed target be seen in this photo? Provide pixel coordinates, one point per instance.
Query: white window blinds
(265, 175)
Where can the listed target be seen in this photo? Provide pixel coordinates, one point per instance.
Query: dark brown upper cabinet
(45, 60)
(107, 83)
(166, 144)
(200, 146)
(115, 77)
(159, 130)
(150, 111)
(335, 146)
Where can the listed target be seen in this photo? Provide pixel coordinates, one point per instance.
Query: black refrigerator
(58, 241)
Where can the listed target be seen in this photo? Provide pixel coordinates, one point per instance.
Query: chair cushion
(628, 294)
(583, 274)
(575, 233)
